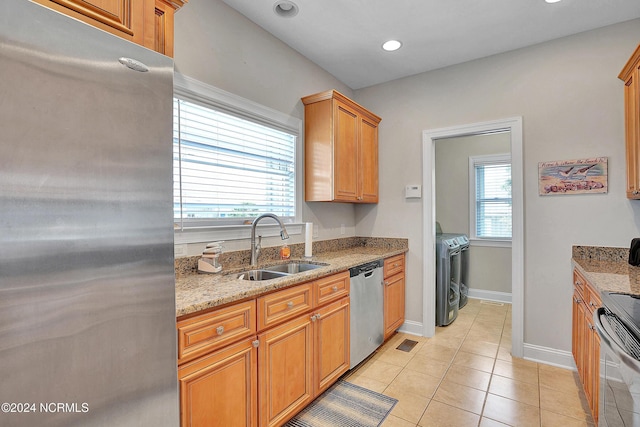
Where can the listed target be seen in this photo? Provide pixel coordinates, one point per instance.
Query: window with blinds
(491, 187)
(229, 169)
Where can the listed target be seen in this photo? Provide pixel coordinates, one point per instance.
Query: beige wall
(489, 267)
(571, 102)
(566, 91)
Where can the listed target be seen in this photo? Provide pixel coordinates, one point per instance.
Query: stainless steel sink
(260, 275)
(294, 267)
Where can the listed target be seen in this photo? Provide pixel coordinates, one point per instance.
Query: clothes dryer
(447, 280)
(463, 242)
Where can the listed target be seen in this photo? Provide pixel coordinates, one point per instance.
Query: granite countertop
(607, 269)
(196, 292)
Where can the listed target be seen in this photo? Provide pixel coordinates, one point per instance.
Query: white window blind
(228, 169)
(491, 216)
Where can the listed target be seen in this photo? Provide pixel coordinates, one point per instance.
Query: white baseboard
(549, 356)
(412, 327)
(490, 295)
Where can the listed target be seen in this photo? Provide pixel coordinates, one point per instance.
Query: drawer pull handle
(290, 304)
(220, 330)
(334, 289)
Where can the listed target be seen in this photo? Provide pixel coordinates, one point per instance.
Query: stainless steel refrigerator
(87, 301)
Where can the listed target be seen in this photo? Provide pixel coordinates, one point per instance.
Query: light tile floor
(465, 376)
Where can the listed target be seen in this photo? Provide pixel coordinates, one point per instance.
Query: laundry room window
(230, 165)
(490, 198)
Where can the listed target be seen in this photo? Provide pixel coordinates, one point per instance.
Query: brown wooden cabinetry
(302, 357)
(394, 285)
(259, 362)
(341, 150)
(585, 340)
(286, 369)
(145, 22)
(219, 389)
(630, 75)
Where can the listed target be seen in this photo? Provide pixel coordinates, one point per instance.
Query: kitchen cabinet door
(393, 304)
(148, 23)
(285, 357)
(369, 161)
(124, 18)
(220, 389)
(345, 151)
(331, 337)
(630, 74)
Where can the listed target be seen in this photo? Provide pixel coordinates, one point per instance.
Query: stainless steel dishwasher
(367, 310)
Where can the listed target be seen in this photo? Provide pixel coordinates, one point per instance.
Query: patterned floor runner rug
(345, 405)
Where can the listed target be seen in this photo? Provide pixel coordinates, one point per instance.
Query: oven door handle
(612, 342)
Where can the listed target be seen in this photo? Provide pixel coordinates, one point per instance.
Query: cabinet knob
(334, 289)
(255, 343)
(290, 304)
(386, 283)
(577, 300)
(592, 304)
(395, 264)
(314, 318)
(220, 330)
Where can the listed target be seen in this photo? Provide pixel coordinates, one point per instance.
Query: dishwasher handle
(365, 268)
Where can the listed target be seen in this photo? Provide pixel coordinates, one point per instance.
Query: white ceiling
(345, 36)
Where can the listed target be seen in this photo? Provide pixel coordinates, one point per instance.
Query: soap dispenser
(210, 262)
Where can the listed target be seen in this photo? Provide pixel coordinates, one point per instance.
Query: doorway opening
(429, 138)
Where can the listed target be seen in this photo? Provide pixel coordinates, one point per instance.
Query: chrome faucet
(255, 248)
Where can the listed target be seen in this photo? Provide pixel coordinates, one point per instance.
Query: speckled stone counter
(607, 269)
(196, 292)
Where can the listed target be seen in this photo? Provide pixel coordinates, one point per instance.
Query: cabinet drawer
(331, 288)
(284, 305)
(591, 299)
(210, 331)
(393, 265)
(579, 282)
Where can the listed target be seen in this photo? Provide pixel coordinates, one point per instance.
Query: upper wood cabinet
(146, 22)
(341, 150)
(630, 75)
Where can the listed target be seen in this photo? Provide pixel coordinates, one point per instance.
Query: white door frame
(514, 126)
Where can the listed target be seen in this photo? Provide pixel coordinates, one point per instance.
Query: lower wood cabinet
(300, 359)
(331, 340)
(585, 340)
(285, 358)
(220, 389)
(394, 286)
(300, 347)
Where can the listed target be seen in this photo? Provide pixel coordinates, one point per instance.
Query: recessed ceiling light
(552, 1)
(391, 45)
(285, 8)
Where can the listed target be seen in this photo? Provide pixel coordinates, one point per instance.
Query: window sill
(231, 232)
(493, 243)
